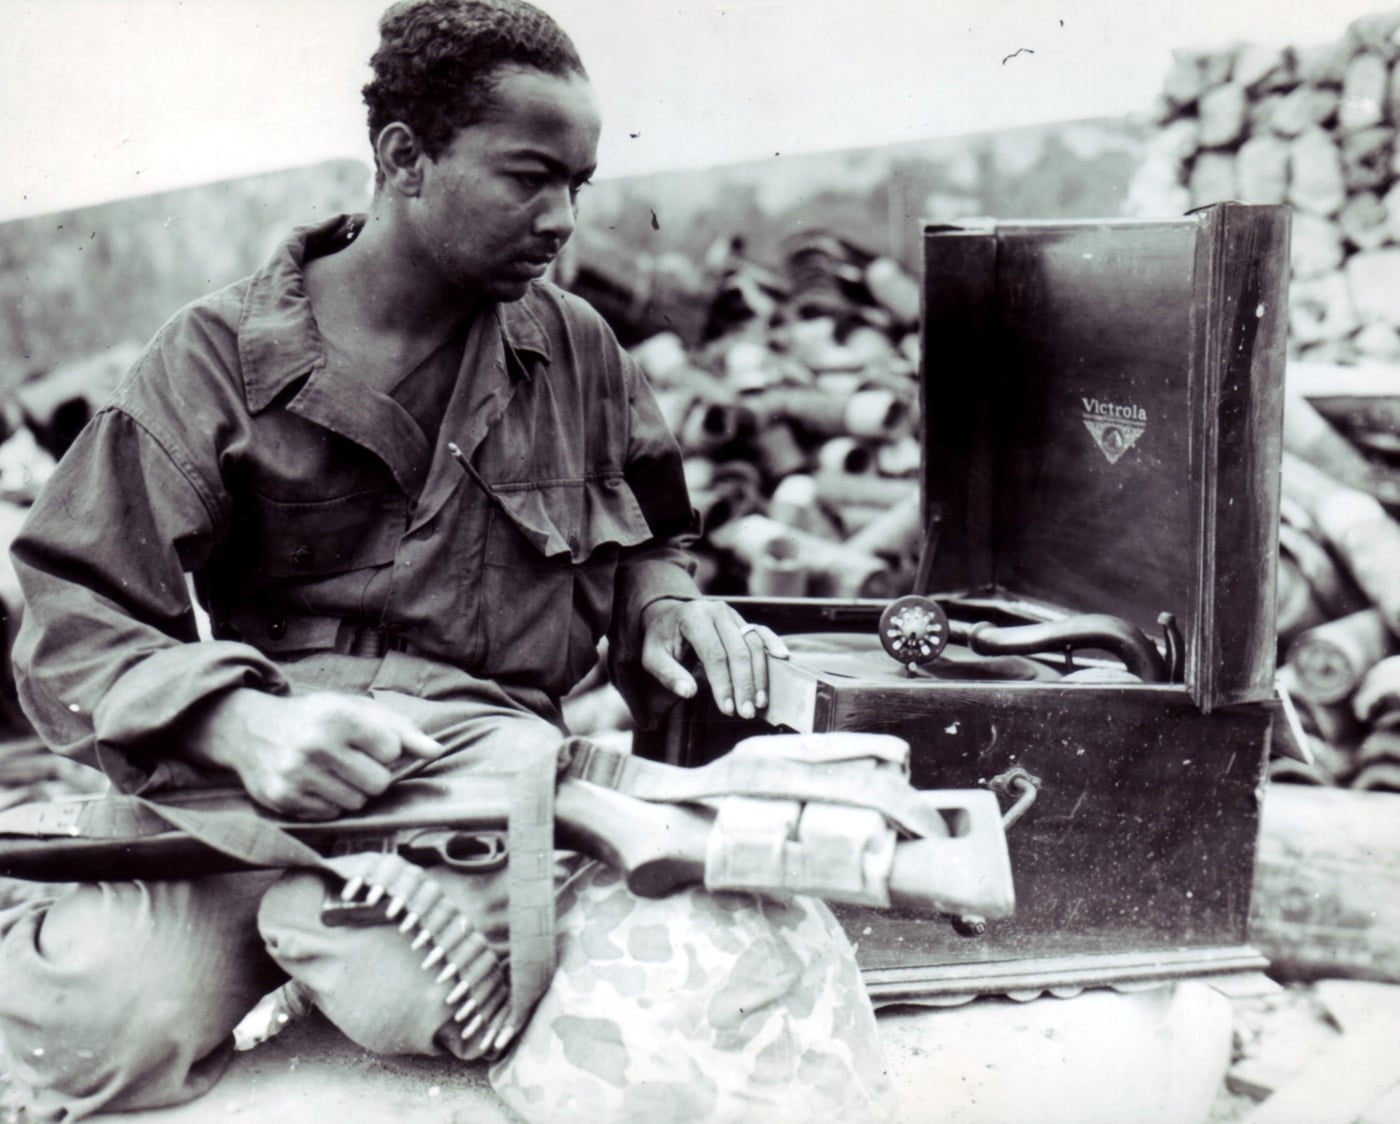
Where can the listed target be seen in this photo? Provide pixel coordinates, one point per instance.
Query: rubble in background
(1339, 575)
(796, 408)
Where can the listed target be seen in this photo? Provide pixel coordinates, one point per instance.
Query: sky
(104, 99)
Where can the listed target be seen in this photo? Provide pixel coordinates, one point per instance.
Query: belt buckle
(371, 641)
(367, 641)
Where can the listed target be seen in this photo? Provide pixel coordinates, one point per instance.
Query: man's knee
(370, 980)
(125, 994)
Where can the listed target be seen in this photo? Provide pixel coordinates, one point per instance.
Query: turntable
(1092, 633)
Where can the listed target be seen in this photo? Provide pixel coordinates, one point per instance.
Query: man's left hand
(733, 653)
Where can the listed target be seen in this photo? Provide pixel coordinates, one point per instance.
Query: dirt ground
(1171, 1054)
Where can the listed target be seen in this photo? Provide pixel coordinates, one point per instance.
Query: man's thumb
(670, 672)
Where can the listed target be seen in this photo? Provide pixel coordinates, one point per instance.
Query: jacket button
(277, 628)
(301, 556)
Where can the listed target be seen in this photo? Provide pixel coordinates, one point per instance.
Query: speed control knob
(914, 630)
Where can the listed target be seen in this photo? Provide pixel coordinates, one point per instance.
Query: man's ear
(401, 158)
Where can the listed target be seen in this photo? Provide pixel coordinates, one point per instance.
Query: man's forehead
(524, 89)
(536, 115)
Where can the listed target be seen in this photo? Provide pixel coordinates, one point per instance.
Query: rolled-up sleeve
(107, 650)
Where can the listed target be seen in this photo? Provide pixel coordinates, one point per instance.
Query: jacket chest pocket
(315, 540)
(549, 566)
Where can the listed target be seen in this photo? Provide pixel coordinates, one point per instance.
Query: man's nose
(558, 214)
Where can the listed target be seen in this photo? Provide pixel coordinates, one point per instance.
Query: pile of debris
(796, 409)
(1339, 574)
(1314, 128)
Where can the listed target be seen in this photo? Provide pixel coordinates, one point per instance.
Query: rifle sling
(823, 782)
(243, 835)
(530, 875)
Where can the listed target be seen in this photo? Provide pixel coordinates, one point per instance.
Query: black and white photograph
(701, 563)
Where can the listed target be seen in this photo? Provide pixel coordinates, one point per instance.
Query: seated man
(415, 485)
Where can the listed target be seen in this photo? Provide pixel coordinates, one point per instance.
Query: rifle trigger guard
(467, 852)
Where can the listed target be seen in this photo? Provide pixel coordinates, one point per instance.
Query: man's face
(498, 203)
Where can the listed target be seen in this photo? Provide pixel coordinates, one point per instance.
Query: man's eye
(574, 189)
(532, 180)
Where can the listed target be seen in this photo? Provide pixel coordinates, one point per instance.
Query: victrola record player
(1102, 414)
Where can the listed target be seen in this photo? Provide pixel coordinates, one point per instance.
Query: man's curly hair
(438, 62)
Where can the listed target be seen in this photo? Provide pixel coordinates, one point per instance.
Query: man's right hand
(308, 756)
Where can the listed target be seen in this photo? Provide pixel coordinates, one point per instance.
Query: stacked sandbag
(1313, 128)
(797, 417)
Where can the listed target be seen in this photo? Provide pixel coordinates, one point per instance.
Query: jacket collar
(278, 341)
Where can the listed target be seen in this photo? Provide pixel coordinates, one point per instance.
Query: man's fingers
(773, 643)
(360, 771)
(406, 737)
(703, 635)
(419, 744)
(386, 735)
(330, 787)
(317, 796)
(734, 654)
(668, 670)
(312, 808)
(738, 666)
(758, 663)
(763, 643)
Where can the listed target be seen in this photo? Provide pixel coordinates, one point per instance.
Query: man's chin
(505, 292)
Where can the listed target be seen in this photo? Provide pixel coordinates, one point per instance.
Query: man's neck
(375, 285)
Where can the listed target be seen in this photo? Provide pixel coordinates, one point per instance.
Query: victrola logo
(1114, 427)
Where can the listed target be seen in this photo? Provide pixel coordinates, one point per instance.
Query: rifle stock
(659, 847)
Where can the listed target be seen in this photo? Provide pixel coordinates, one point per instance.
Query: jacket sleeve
(664, 566)
(108, 658)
